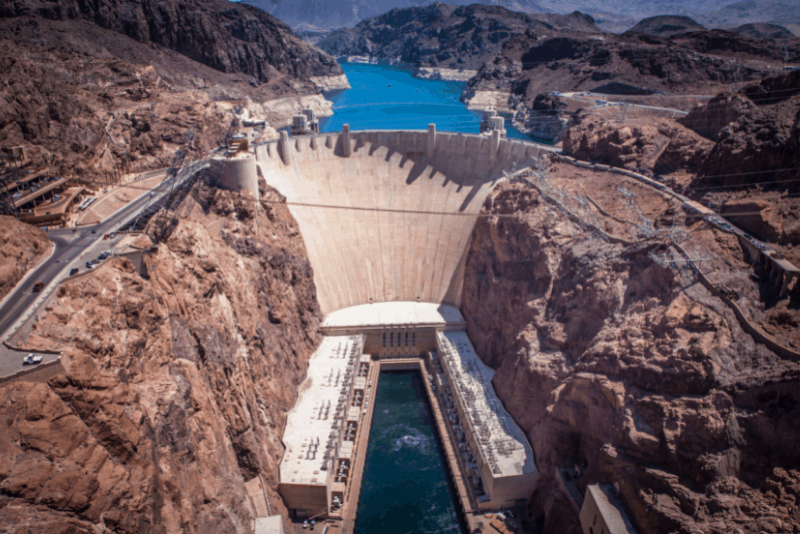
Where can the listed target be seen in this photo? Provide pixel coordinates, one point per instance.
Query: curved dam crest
(412, 199)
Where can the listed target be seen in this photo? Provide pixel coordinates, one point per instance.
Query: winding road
(70, 245)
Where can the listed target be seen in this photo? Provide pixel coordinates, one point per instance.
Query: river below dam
(383, 97)
(405, 488)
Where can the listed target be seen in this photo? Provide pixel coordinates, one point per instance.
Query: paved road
(70, 244)
(590, 97)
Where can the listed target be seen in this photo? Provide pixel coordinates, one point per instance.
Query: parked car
(38, 287)
(113, 235)
(106, 236)
(31, 359)
(73, 272)
(89, 264)
(94, 231)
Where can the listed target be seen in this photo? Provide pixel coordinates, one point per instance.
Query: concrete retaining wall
(411, 199)
(40, 373)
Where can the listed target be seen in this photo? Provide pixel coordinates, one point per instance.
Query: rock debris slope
(176, 384)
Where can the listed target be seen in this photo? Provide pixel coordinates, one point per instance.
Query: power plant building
(499, 460)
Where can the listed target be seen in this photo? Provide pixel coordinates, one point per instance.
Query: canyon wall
(176, 383)
(97, 89)
(625, 365)
(22, 247)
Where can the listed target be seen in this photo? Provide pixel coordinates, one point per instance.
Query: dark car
(89, 264)
(94, 231)
(38, 286)
(74, 271)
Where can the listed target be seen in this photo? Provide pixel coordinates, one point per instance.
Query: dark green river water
(405, 487)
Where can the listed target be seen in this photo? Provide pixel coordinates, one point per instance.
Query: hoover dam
(386, 217)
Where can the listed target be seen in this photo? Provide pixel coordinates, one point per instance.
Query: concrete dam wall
(387, 215)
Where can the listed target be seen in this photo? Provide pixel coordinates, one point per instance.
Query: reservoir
(389, 98)
(405, 487)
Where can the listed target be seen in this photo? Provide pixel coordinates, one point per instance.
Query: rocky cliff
(21, 247)
(319, 14)
(447, 36)
(225, 36)
(614, 360)
(96, 88)
(658, 146)
(762, 143)
(176, 385)
(738, 152)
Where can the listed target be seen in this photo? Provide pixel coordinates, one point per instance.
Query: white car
(32, 359)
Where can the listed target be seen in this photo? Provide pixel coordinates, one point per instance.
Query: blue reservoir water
(389, 98)
(405, 489)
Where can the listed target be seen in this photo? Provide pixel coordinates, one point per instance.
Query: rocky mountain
(176, 385)
(667, 26)
(619, 15)
(448, 37)
(738, 151)
(228, 37)
(614, 15)
(634, 63)
(763, 30)
(627, 369)
(345, 13)
(97, 87)
(741, 12)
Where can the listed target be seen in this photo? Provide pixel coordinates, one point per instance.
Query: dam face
(386, 216)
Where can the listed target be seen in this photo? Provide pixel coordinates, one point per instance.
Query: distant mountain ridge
(445, 36)
(346, 13)
(764, 30)
(611, 15)
(667, 25)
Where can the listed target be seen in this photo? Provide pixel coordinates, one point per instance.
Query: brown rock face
(710, 119)
(21, 247)
(176, 384)
(763, 144)
(225, 36)
(96, 88)
(630, 368)
(655, 145)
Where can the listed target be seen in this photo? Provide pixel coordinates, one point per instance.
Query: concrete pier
(346, 148)
(283, 148)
